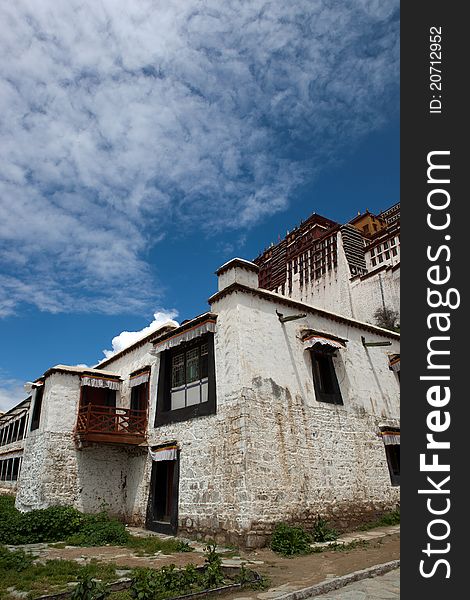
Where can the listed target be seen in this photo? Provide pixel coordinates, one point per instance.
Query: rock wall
(272, 452)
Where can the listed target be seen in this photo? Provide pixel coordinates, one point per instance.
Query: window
(186, 385)
(324, 377)
(37, 408)
(391, 439)
(393, 459)
(9, 469)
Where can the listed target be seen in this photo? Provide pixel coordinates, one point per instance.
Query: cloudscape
(120, 121)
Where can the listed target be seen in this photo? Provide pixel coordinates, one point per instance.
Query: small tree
(387, 318)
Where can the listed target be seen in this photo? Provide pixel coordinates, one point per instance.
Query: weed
(322, 532)
(288, 540)
(213, 575)
(390, 518)
(89, 588)
(167, 582)
(335, 547)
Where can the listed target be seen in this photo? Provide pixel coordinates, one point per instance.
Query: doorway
(162, 513)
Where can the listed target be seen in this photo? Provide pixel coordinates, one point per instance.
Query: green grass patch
(153, 544)
(65, 525)
(386, 520)
(18, 571)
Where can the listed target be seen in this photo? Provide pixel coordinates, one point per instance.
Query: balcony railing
(111, 424)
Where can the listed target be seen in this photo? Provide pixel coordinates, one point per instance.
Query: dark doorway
(98, 396)
(139, 397)
(162, 514)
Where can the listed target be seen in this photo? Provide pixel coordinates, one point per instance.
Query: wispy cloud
(122, 120)
(127, 338)
(11, 392)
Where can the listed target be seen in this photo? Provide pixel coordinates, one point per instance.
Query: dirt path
(286, 573)
(307, 570)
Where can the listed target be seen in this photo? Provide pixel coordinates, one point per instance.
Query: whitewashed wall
(357, 298)
(272, 452)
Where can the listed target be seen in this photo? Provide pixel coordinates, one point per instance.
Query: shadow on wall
(106, 479)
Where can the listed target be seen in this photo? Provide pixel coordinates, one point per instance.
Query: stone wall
(271, 452)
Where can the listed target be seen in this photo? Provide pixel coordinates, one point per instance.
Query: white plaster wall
(60, 403)
(240, 275)
(356, 298)
(372, 293)
(332, 290)
(271, 452)
(54, 472)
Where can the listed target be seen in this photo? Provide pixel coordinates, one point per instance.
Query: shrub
(288, 540)
(322, 532)
(58, 523)
(44, 525)
(89, 589)
(99, 530)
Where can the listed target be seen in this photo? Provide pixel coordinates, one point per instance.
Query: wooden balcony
(111, 425)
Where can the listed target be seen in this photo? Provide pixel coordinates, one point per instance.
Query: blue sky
(145, 144)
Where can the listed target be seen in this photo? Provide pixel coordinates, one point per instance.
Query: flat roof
(74, 370)
(280, 299)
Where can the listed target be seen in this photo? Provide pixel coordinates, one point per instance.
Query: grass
(153, 544)
(49, 577)
(335, 547)
(390, 518)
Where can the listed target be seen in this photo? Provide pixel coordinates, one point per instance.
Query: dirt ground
(313, 568)
(297, 572)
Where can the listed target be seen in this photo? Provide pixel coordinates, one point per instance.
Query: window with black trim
(186, 384)
(392, 452)
(37, 408)
(324, 377)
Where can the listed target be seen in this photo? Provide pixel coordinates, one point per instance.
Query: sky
(144, 144)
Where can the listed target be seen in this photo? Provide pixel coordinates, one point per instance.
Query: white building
(352, 269)
(261, 410)
(14, 426)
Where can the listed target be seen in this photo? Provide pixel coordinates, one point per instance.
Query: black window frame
(37, 410)
(324, 359)
(392, 453)
(164, 414)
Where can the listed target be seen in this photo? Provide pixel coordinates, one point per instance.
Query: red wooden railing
(111, 420)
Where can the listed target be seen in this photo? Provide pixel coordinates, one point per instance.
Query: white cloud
(121, 121)
(11, 392)
(127, 338)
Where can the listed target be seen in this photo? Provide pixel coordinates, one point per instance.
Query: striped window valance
(101, 382)
(185, 336)
(139, 379)
(164, 453)
(391, 438)
(322, 340)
